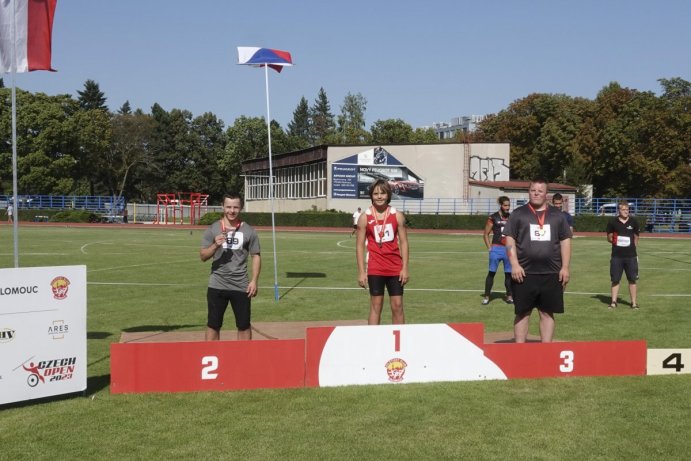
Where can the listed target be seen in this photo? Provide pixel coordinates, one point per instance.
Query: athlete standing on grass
(497, 249)
(538, 241)
(623, 232)
(230, 242)
(382, 232)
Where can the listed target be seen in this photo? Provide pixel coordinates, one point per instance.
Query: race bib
(623, 241)
(538, 234)
(387, 236)
(234, 240)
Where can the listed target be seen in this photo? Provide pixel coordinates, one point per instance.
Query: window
(294, 182)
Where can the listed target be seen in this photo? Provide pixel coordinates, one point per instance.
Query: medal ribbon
(541, 222)
(224, 232)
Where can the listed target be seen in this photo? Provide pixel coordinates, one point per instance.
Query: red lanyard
(383, 223)
(541, 222)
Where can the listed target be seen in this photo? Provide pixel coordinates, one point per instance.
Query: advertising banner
(42, 332)
(351, 177)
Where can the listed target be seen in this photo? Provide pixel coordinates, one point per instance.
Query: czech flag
(33, 28)
(260, 57)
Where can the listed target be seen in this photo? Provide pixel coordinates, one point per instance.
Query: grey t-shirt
(229, 266)
(538, 249)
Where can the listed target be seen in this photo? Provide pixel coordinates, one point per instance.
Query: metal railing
(662, 215)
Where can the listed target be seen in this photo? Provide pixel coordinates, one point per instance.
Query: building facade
(337, 177)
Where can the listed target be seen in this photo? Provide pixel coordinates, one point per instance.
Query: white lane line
(158, 263)
(445, 290)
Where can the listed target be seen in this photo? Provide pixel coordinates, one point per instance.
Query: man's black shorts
(378, 282)
(217, 301)
(617, 266)
(543, 291)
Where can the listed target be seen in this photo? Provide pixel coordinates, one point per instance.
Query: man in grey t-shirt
(230, 242)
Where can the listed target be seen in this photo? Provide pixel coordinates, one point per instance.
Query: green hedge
(337, 219)
(583, 223)
(592, 223)
(33, 215)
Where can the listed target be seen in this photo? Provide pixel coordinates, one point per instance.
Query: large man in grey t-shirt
(230, 242)
(538, 241)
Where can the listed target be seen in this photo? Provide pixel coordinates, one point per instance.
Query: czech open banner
(42, 332)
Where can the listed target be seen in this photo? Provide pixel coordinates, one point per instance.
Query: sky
(422, 62)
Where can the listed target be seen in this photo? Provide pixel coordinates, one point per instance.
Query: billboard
(351, 177)
(42, 332)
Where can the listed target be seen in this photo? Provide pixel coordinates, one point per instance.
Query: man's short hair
(557, 196)
(232, 196)
(540, 181)
(503, 199)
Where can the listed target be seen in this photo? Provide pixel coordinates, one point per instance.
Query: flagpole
(13, 68)
(271, 181)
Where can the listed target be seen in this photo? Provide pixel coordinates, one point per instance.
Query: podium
(362, 354)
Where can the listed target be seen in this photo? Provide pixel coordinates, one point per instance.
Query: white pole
(271, 182)
(15, 210)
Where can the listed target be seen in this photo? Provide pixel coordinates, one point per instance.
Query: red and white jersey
(382, 244)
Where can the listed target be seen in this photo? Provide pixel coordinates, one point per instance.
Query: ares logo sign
(59, 286)
(7, 335)
(50, 370)
(395, 368)
(58, 329)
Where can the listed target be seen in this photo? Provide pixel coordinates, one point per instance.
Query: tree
(392, 131)
(131, 138)
(247, 139)
(93, 134)
(425, 136)
(675, 88)
(125, 109)
(92, 98)
(351, 121)
(46, 146)
(299, 127)
(321, 119)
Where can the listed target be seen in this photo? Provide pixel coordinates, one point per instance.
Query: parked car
(611, 209)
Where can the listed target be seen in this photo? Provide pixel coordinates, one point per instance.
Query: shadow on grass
(302, 276)
(141, 328)
(605, 299)
(305, 275)
(98, 335)
(95, 384)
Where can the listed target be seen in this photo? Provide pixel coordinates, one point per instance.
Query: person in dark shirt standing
(558, 201)
(538, 241)
(497, 249)
(623, 233)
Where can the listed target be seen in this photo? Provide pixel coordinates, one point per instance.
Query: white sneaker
(485, 301)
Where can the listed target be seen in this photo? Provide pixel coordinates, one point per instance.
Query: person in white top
(356, 216)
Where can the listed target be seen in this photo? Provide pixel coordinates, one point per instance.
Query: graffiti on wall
(488, 169)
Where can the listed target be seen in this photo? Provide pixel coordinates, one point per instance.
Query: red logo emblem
(59, 286)
(395, 368)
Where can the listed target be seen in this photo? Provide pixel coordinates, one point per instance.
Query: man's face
(232, 208)
(558, 203)
(623, 211)
(538, 194)
(505, 207)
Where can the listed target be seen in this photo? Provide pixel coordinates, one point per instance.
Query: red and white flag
(29, 38)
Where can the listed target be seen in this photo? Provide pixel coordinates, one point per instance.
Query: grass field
(151, 279)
